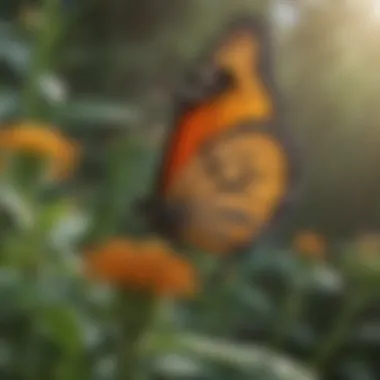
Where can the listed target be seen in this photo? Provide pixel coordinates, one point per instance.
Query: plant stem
(290, 311)
(31, 360)
(135, 314)
(47, 38)
(291, 307)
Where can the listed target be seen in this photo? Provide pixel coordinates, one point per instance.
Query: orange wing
(225, 172)
(247, 98)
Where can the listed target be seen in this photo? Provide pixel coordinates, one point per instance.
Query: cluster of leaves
(272, 315)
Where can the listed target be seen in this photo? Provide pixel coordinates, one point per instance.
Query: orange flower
(150, 266)
(309, 243)
(43, 141)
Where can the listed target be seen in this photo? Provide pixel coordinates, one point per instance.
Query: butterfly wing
(225, 169)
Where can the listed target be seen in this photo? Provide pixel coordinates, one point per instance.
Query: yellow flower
(42, 141)
(310, 244)
(144, 265)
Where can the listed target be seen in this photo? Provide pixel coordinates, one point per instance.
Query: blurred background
(104, 72)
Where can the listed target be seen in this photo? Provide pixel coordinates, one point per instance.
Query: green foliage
(103, 72)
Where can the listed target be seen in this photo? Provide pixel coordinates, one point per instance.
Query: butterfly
(227, 168)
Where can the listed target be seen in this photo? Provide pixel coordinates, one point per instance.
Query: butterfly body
(225, 171)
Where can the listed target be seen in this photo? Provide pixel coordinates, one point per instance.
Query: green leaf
(180, 366)
(12, 293)
(256, 303)
(62, 325)
(5, 354)
(9, 104)
(243, 357)
(53, 212)
(19, 210)
(27, 172)
(68, 229)
(90, 113)
(354, 369)
(125, 182)
(13, 51)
